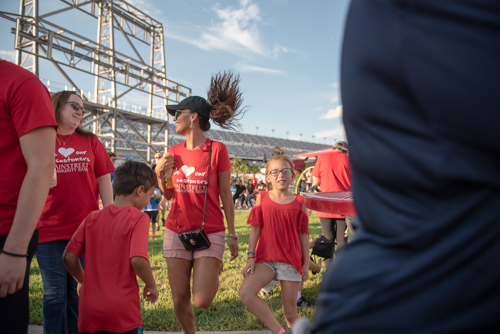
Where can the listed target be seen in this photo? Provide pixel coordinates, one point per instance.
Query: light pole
(257, 130)
(273, 132)
(313, 138)
(300, 136)
(287, 134)
(324, 140)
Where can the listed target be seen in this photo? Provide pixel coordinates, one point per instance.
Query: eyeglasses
(158, 157)
(276, 172)
(77, 107)
(113, 159)
(178, 112)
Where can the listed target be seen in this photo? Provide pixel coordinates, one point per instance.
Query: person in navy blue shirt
(420, 90)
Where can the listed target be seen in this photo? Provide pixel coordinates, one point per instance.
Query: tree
(240, 166)
(254, 169)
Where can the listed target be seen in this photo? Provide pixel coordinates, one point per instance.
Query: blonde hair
(278, 150)
(278, 158)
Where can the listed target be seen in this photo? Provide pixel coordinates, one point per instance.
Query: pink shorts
(173, 247)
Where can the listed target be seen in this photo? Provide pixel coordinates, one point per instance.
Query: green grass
(227, 312)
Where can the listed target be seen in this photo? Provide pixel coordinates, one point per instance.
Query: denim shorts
(284, 271)
(173, 247)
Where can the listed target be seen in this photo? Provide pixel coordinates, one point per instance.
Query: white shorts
(284, 271)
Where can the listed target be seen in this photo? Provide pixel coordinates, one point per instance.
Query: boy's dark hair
(131, 175)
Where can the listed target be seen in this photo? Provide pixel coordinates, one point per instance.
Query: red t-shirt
(109, 297)
(334, 173)
(280, 225)
(190, 183)
(25, 105)
(78, 163)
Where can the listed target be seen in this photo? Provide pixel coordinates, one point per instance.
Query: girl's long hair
(224, 99)
(59, 102)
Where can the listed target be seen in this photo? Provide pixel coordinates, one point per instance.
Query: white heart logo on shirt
(66, 152)
(187, 170)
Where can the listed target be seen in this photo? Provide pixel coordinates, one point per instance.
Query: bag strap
(208, 182)
(206, 190)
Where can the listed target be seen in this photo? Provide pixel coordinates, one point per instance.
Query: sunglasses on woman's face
(77, 107)
(178, 112)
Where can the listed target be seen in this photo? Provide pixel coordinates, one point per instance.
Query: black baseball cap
(193, 103)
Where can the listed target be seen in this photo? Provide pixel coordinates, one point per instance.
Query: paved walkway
(39, 330)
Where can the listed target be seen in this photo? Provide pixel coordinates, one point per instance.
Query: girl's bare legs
(205, 281)
(289, 290)
(179, 277)
(249, 296)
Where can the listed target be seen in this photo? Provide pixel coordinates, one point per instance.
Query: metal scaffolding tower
(115, 73)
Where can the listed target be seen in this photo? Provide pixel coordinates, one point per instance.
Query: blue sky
(286, 52)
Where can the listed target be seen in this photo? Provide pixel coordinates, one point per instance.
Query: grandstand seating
(240, 145)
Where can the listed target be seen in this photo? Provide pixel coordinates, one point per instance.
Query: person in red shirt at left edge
(28, 129)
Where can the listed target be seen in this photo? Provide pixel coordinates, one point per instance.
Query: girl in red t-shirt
(278, 246)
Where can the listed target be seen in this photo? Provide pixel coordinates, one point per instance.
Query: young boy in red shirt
(114, 241)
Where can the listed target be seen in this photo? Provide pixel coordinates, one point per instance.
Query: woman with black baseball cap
(196, 189)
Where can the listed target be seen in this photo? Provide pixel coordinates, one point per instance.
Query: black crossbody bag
(198, 239)
(323, 247)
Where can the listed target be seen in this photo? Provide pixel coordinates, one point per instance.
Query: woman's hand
(165, 164)
(248, 269)
(233, 247)
(313, 241)
(315, 267)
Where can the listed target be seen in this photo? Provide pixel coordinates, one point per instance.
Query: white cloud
(280, 49)
(9, 55)
(335, 99)
(318, 109)
(236, 31)
(242, 67)
(337, 133)
(332, 113)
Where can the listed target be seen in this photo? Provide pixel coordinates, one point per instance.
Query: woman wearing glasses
(83, 174)
(190, 163)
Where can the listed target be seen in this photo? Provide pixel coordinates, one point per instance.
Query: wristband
(250, 252)
(13, 254)
(233, 235)
(250, 257)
